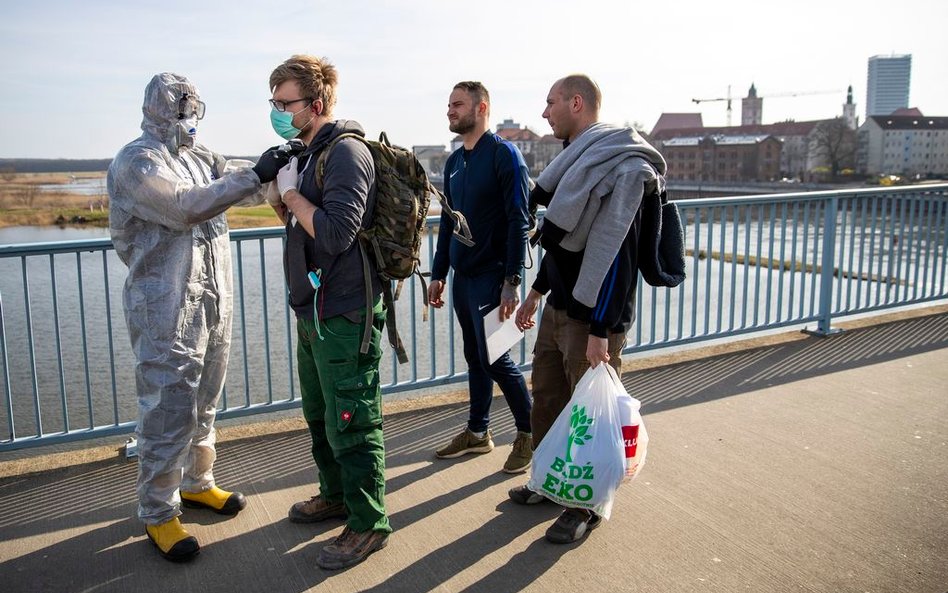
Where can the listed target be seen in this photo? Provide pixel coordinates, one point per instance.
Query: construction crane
(728, 98)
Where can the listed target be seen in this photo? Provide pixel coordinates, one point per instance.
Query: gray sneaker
(464, 443)
(520, 456)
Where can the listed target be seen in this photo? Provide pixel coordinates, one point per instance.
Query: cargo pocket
(358, 407)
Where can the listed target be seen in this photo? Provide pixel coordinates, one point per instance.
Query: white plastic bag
(581, 460)
(634, 435)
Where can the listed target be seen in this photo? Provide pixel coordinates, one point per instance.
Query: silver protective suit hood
(166, 218)
(162, 114)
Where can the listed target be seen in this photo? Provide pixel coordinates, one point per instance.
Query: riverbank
(23, 203)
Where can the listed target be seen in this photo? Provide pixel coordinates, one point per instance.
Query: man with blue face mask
(328, 195)
(167, 197)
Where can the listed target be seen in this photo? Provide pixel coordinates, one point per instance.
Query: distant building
(887, 85)
(676, 121)
(545, 150)
(722, 158)
(432, 157)
(908, 111)
(523, 138)
(795, 157)
(904, 145)
(537, 152)
(508, 124)
(752, 108)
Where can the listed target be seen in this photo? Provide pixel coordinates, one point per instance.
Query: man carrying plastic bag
(581, 461)
(593, 192)
(584, 456)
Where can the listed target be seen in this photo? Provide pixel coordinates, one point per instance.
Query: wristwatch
(513, 280)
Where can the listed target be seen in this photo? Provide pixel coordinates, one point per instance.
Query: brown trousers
(559, 362)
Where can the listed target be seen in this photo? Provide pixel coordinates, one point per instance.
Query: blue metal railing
(754, 264)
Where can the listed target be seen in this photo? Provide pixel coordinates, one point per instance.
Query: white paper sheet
(501, 335)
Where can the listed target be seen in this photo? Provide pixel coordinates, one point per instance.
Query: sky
(74, 72)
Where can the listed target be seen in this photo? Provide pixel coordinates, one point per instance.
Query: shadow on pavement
(79, 521)
(713, 378)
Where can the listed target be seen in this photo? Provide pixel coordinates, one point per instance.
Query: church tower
(849, 110)
(752, 108)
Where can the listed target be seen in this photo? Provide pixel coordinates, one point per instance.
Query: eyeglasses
(281, 105)
(189, 105)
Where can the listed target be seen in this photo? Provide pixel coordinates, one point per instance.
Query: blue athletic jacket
(488, 184)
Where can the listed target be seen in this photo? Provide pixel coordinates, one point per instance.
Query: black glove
(293, 147)
(271, 161)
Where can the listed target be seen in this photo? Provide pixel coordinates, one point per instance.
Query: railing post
(7, 390)
(827, 270)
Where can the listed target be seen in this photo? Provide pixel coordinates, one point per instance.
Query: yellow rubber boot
(173, 541)
(219, 501)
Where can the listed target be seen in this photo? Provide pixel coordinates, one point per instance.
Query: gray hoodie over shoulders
(598, 182)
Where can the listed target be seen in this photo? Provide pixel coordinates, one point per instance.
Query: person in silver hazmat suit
(167, 197)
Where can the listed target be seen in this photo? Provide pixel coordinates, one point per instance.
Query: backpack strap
(393, 338)
(462, 232)
(320, 171)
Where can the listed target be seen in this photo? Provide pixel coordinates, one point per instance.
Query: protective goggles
(189, 105)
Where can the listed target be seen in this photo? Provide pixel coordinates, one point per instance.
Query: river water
(88, 362)
(84, 187)
(78, 344)
(43, 234)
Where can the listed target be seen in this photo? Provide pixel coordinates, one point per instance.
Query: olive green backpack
(394, 236)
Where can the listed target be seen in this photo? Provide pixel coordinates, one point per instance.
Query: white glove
(287, 177)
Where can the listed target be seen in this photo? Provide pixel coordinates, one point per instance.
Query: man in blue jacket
(487, 181)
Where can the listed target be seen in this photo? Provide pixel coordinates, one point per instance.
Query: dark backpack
(394, 236)
(661, 246)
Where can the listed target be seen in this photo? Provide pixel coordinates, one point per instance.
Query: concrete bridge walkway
(813, 465)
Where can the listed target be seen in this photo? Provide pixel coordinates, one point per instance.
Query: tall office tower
(887, 88)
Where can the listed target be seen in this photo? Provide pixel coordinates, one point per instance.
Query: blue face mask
(282, 123)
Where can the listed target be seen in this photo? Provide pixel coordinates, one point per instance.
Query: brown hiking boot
(316, 509)
(350, 548)
(521, 455)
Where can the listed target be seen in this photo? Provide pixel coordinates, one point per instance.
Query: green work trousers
(342, 404)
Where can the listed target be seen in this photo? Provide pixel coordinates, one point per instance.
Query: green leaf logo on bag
(579, 434)
(565, 481)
